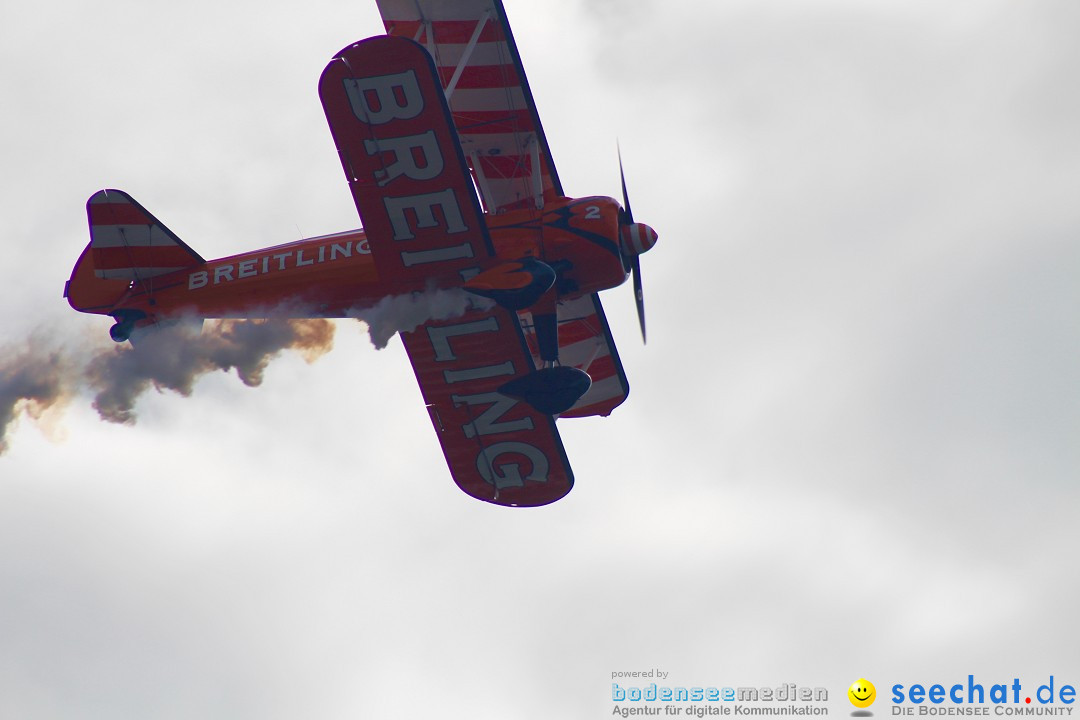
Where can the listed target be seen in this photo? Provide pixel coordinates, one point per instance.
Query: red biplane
(456, 189)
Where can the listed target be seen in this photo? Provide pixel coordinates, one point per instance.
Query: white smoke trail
(405, 313)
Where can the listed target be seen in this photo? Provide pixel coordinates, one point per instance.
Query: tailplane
(127, 245)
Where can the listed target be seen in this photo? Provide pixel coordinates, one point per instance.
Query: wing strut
(466, 54)
(538, 182)
(482, 181)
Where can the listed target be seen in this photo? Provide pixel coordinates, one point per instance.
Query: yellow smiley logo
(862, 693)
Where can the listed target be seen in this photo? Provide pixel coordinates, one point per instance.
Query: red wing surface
(401, 157)
(499, 449)
(489, 97)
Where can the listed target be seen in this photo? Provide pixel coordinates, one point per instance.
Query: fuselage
(336, 275)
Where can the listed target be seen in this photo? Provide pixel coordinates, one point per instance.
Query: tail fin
(127, 244)
(131, 244)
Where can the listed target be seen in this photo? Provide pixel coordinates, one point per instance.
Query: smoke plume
(405, 313)
(36, 378)
(33, 380)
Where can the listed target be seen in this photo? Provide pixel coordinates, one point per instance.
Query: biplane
(456, 189)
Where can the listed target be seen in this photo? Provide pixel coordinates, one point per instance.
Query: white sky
(851, 445)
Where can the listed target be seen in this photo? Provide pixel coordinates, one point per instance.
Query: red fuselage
(335, 275)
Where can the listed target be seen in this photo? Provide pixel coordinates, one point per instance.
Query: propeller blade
(635, 261)
(625, 196)
(639, 297)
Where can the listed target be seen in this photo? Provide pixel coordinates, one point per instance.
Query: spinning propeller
(636, 238)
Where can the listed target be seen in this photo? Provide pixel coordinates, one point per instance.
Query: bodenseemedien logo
(701, 701)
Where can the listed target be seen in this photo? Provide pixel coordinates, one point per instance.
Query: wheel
(552, 390)
(121, 331)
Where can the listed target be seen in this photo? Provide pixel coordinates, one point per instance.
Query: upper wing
(489, 97)
(585, 343)
(404, 165)
(499, 449)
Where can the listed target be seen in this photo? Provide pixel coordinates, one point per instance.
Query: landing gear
(533, 284)
(125, 324)
(121, 331)
(552, 390)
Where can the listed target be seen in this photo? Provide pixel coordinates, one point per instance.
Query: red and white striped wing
(489, 97)
(585, 343)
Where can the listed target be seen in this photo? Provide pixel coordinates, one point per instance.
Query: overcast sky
(852, 444)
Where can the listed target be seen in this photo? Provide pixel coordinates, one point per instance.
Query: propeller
(644, 237)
